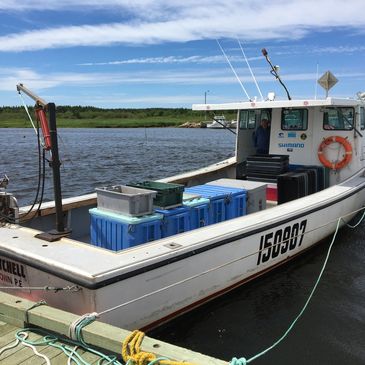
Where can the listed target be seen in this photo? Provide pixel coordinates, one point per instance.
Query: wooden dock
(25, 356)
(13, 317)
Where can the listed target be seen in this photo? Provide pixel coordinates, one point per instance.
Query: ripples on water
(99, 157)
(244, 322)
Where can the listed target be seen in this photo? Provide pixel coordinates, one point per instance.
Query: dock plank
(25, 356)
(7, 338)
(20, 353)
(44, 350)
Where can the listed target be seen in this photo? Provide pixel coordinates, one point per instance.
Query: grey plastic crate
(121, 199)
(256, 192)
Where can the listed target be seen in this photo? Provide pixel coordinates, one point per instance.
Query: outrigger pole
(51, 143)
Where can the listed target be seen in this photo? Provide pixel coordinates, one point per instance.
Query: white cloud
(10, 77)
(340, 49)
(170, 60)
(159, 21)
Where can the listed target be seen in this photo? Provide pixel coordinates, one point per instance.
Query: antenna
(243, 88)
(316, 84)
(274, 71)
(249, 67)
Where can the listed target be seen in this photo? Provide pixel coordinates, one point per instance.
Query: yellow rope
(131, 351)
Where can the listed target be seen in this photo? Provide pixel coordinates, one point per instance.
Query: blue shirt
(262, 139)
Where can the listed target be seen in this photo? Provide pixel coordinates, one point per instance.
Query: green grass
(120, 123)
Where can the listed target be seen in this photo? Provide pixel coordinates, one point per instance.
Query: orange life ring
(340, 164)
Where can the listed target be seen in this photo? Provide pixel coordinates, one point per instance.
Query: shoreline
(91, 117)
(110, 124)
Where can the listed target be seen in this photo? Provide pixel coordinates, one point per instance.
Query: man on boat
(261, 138)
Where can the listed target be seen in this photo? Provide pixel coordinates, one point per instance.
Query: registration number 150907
(279, 242)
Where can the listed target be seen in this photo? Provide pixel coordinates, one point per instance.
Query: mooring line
(244, 361)
(73, 288)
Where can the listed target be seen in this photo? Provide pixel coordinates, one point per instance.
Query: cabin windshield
(294, 119)
(338, 118)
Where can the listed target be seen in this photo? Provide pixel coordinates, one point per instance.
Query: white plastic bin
(121, 199)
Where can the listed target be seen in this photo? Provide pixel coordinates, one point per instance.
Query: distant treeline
(91, 112)
(90, 116)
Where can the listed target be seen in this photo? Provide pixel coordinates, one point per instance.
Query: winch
(9, 210)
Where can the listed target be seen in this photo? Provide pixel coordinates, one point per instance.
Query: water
(99, 157)
(251, 318)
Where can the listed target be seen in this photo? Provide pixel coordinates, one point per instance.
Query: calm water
(244, 322)
(99, 157)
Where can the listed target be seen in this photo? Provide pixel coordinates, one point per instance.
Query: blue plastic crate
(225, 202)
(116, 232)
(174, 221)
(217, 206)
(199, 212)
(236, 202)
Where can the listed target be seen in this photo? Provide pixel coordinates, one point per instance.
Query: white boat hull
(154, 282)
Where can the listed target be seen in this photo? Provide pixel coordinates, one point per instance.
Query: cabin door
(248, 121)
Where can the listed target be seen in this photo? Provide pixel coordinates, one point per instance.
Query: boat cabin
(299, 127)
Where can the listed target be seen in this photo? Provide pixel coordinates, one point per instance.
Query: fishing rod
(274, 71)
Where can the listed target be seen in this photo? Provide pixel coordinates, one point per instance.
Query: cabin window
(294, 119)
(362, 118)
(340, 118)
(249, 118)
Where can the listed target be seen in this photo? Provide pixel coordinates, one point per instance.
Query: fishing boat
(219, 122)
(258, 212)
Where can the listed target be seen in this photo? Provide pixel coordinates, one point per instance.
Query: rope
(73, 288)
(70, 352)
(22, 341)
(243, 361)
(35, 305)
(132, 354)
(75, 329)
(30, 119)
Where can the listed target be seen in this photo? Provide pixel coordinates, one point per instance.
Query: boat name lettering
(292, 145)
(12, 273)
(279, 242)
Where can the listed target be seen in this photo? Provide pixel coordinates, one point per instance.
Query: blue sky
(158, 53)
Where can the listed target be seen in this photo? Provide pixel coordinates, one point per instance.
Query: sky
(159, 53)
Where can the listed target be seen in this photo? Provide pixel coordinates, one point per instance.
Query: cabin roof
(278, 104)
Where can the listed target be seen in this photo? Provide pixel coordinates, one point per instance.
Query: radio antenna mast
(233, 70)
(249, 67)
(274, 71)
